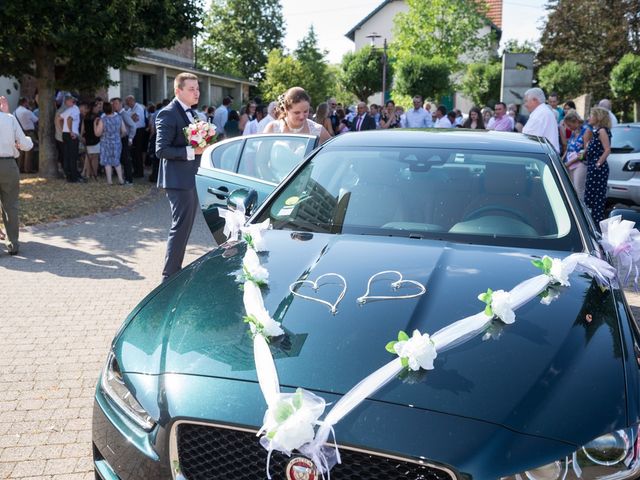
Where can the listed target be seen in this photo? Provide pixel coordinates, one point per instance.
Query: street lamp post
(373, 36)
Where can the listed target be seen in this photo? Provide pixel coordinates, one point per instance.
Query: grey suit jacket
(175, 170)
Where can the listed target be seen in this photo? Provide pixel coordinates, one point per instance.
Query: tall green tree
(625, 82)
(239, 34)
(448, 29)
(428, 77)
(318, 81)
(72, 43)
(595, 33)
(281, 73)
(564, 78)
(362, 72)
(516, 46)
(481, 83)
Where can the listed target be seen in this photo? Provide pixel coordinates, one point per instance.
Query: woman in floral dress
(598, 150)
(110, 128)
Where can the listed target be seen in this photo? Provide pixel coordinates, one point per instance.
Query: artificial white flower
(419, 350)
(501, 306)
(255, 232)
(253, 267)
(559, 273)
(254, 307)
(290, 423)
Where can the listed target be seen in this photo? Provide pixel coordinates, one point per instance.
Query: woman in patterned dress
(598, 150)
(110, 128)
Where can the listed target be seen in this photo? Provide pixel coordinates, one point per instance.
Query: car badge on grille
(301, 468)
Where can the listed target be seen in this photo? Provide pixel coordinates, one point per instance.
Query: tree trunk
(636, 110)
(45, 75)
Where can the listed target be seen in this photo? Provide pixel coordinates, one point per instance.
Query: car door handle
(221, 193)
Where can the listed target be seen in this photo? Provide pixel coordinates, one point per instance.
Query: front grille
(214, 453)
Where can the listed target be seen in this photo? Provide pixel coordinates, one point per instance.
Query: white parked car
(624, 163)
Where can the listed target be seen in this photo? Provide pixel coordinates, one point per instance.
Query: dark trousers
(125, 160)
(71, 155)
(28, 160)
(137, 148)
(9, 193)
(184, 206)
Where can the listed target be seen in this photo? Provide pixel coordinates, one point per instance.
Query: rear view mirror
(246, 198)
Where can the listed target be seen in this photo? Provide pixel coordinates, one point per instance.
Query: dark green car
(554, 395)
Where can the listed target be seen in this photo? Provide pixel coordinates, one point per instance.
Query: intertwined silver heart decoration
(401, 282)
(315, 284)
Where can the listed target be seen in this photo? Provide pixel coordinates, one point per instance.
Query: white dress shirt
(443, 122)
(26, 118)
(251, 127)
(74, 113)
(10, 133)
(139, 111)
(419, 118)
(191, 153)
(262, 124)
(542, 122)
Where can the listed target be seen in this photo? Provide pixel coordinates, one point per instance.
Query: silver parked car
(624, 163)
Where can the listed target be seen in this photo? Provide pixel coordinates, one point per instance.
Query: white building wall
(381, 23)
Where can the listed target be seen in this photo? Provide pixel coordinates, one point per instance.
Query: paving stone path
(61, 302)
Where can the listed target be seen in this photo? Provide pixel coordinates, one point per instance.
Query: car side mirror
(245, 197)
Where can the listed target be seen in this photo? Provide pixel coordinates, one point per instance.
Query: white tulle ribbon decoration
(621, 240)
(415, 352)
(253, 269)
(253, 235)
(234, 220)
(257, 316)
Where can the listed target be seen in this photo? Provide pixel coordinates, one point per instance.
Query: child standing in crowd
(598, 150)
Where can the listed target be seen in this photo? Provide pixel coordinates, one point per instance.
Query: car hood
(557, 366)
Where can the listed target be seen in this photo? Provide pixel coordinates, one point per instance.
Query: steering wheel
(482, 211)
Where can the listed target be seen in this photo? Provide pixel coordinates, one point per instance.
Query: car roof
(442, 138)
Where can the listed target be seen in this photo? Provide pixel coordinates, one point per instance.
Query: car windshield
(453, 194)
(625, 139)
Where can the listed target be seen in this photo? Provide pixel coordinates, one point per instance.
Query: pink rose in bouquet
(200, 134)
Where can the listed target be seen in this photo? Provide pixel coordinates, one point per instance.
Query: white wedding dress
(279, 127)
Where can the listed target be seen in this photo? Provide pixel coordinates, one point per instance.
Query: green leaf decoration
(486, 297)
(249, 239)
(405, 362)
(283, 411)
(271, 434)
(487, 311)
(402, 336)
(297, 399)
(390, 346)
(547, 262)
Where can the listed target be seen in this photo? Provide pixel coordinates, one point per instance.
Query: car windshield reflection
(455, 194)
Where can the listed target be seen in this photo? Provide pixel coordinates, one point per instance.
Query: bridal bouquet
(200, 134)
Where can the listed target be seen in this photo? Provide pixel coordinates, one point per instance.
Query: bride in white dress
(292, 115)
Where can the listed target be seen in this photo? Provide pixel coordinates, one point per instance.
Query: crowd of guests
(106, 137)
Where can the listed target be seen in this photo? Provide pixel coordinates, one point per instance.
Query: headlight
(114, 387)
(614, 456)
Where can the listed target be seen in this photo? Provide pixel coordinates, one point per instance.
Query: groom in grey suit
(178, 167)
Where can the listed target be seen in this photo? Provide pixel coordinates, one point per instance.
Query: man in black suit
(178, 167)
(362, 121)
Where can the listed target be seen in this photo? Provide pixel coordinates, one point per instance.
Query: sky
(332, 19)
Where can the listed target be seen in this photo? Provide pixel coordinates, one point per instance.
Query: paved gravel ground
(62, 301)
(63, 298)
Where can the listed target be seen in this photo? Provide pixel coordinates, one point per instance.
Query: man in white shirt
(12, 139)
(442, 121)
(138, 146)
(417, 117)
(542, 121)
(262, 124)
(27, 120)
(606, 104)
(221, 116)
(70, 139)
